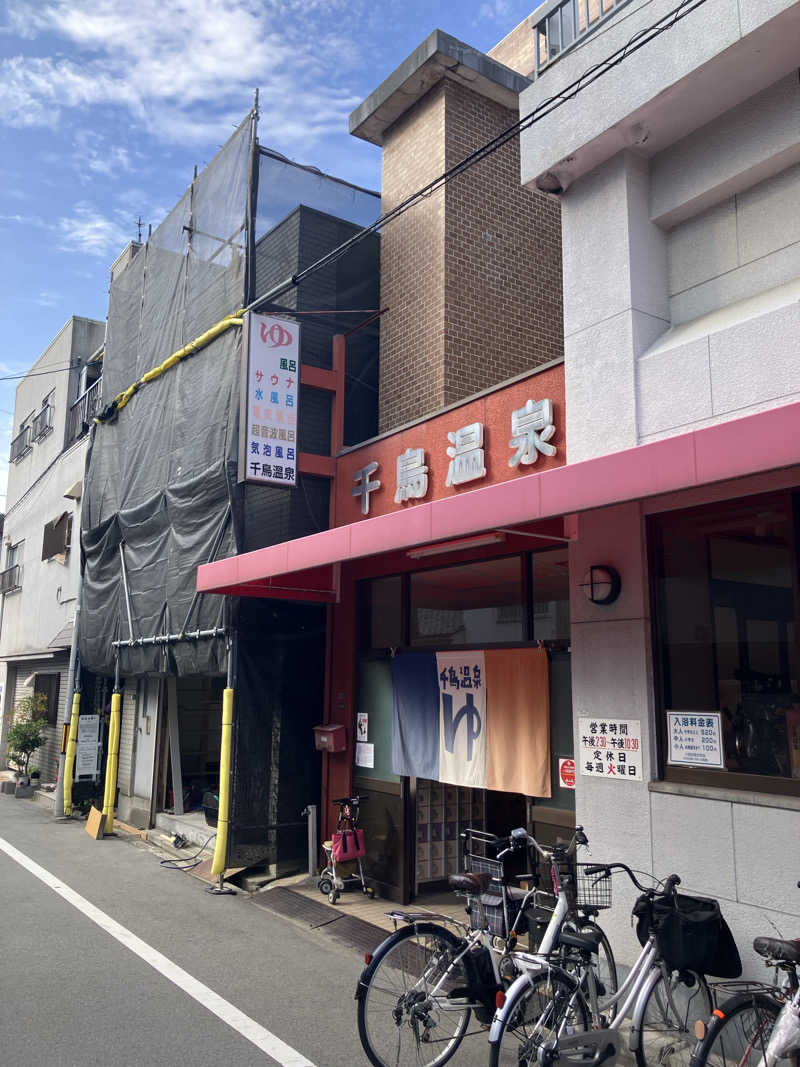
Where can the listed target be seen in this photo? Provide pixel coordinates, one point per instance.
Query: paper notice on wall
(365, 754)
(695, 739)
(611, 748)
(362, 726)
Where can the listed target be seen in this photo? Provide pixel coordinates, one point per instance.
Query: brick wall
(472, 276)
(516, 50)
(412, 266)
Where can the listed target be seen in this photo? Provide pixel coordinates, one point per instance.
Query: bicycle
(760, 1025)
(424, 982)
(550, 1015)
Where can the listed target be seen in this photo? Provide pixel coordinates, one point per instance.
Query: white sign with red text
(273, 389)
(611, 748)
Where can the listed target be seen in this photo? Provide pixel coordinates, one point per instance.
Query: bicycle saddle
(469, 882)
(773, 948)
(586, 940)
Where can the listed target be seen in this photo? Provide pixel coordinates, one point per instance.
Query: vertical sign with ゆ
(462, 718)
(268, 445)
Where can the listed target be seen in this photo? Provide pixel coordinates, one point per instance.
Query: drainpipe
(223, 815)
(73, 695)
(112, 762)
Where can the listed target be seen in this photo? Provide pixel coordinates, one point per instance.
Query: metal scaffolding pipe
(171, 639)
(125, 587)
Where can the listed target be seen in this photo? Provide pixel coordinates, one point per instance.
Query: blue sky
(107, 105)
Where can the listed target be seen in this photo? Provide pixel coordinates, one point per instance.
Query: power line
(39, 373)
(546, 107)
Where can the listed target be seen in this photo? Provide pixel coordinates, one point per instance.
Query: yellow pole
(112, 762)
(69, 763)
(221, 846)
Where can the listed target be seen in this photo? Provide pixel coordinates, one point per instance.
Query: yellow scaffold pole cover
(121, 399)
(112, 762)
(69, 763)
(221, 846)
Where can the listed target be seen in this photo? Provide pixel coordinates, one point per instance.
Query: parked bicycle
(759, 1026)
(423, 983)
(551, 1015)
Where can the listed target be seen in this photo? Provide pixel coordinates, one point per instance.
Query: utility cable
(545, 108)
(189, 863)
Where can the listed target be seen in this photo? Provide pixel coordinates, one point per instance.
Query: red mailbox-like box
(330, 738)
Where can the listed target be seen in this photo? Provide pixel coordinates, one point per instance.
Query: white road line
(258, 1035)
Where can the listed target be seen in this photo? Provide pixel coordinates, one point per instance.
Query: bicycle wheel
(552, 1005)
(738, 1033)
(603, 964)
(405, 1015)
(667, 1025)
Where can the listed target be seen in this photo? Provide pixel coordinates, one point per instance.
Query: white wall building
(41, 555)
(679, 178)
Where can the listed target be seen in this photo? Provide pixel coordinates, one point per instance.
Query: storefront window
(471, 604)
(551, 597)
(727, 608)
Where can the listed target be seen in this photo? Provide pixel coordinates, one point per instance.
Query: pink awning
(305, 568)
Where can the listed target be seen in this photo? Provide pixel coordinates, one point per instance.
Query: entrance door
(553, 818)
(146, 736)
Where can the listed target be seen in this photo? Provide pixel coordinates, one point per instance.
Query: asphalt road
(164, 973)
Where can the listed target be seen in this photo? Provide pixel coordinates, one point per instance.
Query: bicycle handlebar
(606, 868)
(520, 837)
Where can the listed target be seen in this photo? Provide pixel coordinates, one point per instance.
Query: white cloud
(495, 11)
(90, 232)
(25, 220)
(47, 299)
(182, 70)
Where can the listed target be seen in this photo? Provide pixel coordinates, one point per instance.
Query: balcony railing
(21, 445)
(83, 411)
(43, 423)
(561, 24)
(9, 579)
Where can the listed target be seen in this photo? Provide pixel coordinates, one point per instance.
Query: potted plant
(35, 777)
(26, 733)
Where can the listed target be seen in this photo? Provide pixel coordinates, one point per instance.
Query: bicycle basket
(691, 934)
(591, 890)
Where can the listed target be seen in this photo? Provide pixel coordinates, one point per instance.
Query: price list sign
(268, 446)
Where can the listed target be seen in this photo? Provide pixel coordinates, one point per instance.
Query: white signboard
(611, 748)
(87, 761)
(695, 738)
(88, 727)
(365, 754)
(269, 416)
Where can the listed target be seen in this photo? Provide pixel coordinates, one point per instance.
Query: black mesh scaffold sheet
(159, 475)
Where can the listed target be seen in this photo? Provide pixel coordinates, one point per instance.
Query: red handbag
(348, 845)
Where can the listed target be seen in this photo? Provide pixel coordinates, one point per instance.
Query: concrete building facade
(679, 185)
(41, 555)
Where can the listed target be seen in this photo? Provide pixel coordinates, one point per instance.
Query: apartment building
(54, 406)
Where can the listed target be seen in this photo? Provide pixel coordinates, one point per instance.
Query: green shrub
(27, 731)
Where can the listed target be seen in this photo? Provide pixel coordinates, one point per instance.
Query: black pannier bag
(691, 934)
